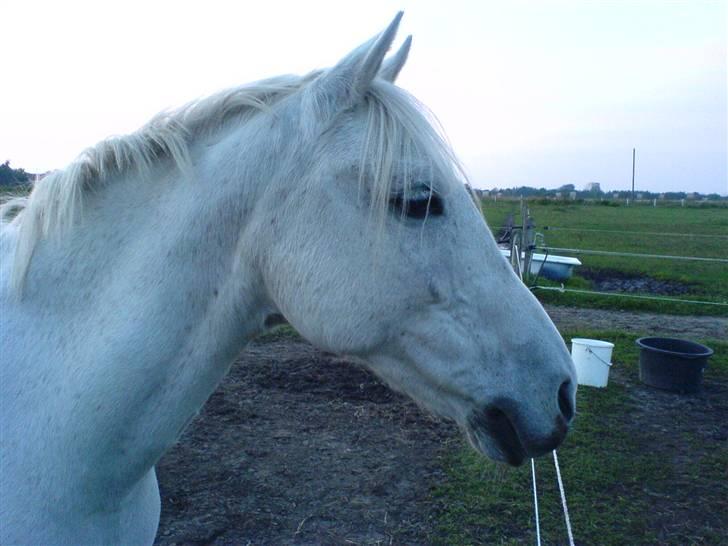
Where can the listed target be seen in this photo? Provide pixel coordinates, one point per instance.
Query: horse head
(378, 252)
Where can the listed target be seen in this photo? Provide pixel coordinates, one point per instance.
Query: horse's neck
(143, 311)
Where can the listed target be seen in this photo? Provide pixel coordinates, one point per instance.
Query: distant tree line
(565, 192)
(12, 177)
(18, 177)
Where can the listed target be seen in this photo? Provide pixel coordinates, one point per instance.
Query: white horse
(132, 279)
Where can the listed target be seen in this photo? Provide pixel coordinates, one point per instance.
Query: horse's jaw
(508, 410)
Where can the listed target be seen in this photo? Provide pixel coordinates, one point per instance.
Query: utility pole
(633, 158)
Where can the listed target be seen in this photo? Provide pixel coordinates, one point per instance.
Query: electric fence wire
(633, 254)
(666, 234)
(620, 295)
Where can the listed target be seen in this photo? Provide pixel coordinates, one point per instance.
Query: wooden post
(524, 241)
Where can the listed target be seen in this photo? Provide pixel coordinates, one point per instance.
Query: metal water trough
(672, 364)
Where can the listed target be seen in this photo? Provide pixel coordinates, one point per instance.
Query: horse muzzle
(501, 431)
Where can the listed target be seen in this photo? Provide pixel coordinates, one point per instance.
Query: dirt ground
(300, 447)
(688, 327)
(696, 504)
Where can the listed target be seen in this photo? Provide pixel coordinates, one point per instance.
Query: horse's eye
(418, 204)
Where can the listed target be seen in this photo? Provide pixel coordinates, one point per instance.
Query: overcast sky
(530, 93)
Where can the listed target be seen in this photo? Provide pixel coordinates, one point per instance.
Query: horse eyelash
(418, 206)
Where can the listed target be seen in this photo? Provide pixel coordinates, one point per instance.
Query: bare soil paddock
(570, 318)
(300, 447)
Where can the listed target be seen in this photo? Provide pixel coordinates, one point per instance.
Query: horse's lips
(496, 438)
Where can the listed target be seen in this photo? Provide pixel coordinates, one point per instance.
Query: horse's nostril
(496, 416)
(567, 410)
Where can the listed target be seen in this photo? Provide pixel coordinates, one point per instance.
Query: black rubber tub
(672, 364)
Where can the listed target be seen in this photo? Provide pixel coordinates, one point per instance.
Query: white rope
(563, 499)
(535, 503)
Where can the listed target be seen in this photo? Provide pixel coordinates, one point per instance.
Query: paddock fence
(524, 241)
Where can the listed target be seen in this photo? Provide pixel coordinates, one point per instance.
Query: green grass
(615, 471)
(652, 228)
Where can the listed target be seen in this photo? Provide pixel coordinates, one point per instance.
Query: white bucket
(592, 359)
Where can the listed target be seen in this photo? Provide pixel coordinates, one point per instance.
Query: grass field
(676, 231)
(640, 467)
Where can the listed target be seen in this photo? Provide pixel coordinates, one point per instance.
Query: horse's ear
(392, 66)
(346, 83)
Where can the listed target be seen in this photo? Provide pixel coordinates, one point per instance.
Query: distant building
(478, 192)
(572, 195)
(593, 187)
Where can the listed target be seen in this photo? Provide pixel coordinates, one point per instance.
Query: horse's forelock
(400, 133)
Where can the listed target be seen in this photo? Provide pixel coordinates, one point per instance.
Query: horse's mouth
(492, 432)
(497, 432)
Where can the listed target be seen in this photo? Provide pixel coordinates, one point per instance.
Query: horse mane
(398, 127)
(166, 135)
